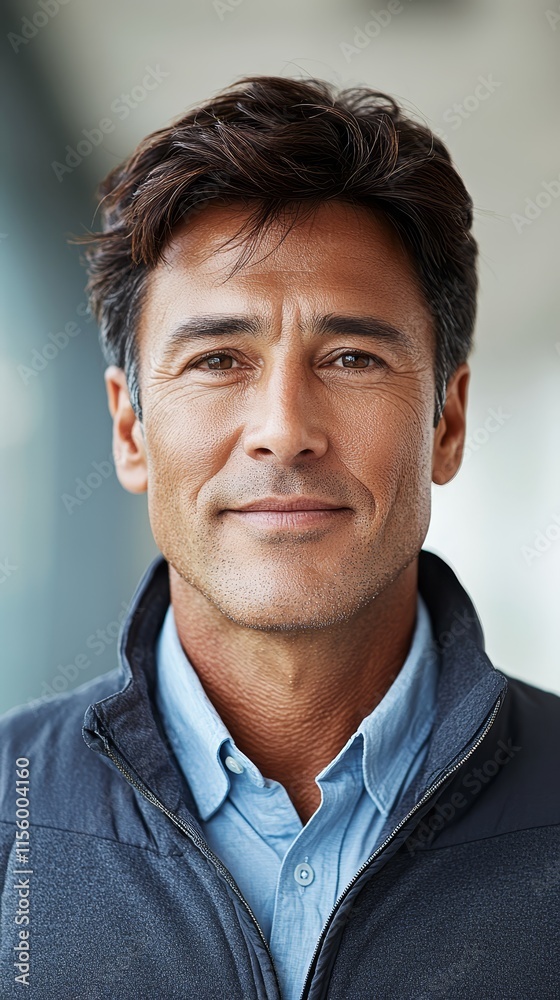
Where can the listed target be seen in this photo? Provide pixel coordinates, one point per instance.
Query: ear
(129, 449)
(449, 435)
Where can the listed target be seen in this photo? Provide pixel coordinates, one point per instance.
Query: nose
(284, 419)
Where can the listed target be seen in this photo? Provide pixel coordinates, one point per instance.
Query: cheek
(186, 447)
(413, 481)
(392, 440)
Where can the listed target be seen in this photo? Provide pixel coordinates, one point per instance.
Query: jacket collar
(468, 686)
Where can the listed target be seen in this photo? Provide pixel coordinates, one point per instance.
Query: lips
(299, 514)
(289, 504)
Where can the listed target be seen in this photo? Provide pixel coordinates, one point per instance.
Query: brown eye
(359, 361)
(212, 359)
(363, 357)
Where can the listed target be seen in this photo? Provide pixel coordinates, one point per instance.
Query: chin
(272, 615)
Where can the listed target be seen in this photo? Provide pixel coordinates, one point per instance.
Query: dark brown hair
(277, 143)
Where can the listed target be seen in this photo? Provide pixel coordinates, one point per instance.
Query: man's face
(343, 416)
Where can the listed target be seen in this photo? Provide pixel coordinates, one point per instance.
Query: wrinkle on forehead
(342, 252)
(202, 238)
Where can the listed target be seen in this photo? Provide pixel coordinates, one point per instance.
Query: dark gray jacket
(125, 900)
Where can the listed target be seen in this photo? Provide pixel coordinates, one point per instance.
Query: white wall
(431, 55)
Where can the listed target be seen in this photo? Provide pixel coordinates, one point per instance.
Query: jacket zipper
(366, 864)
(202, 846)
(190, 832)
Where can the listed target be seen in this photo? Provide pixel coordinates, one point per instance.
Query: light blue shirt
(290, 874)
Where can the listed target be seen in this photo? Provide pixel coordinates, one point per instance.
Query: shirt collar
(401, 722)
(392, 733)
(199, 737)
(124, 719)
(193, 726)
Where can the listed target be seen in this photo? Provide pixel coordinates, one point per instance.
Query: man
(304, 777)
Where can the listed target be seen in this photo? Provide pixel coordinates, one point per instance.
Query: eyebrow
(204, 327)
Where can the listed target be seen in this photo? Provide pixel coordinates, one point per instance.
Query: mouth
(289, 513)
(285, 503)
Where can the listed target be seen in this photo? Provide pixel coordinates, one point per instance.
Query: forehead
(343, 258)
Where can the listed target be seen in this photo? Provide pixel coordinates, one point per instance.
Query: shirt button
(233, 765)
(304, 874)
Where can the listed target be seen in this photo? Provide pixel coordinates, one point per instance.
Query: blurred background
(485, 75)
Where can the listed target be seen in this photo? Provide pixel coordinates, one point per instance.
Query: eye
(215, 356)
(375, 361)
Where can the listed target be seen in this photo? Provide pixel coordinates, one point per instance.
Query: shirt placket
(308, 881)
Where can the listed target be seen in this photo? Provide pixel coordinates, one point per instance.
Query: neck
(292, 700)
